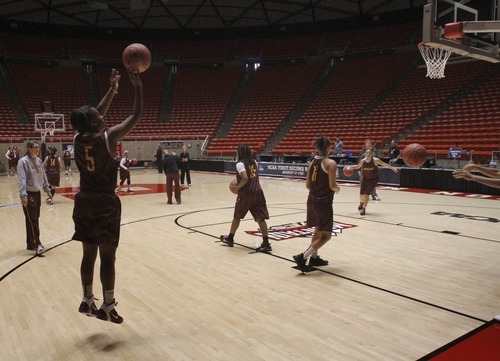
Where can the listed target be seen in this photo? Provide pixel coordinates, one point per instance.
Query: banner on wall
(283, 169)
(171, 144)
(68, 146)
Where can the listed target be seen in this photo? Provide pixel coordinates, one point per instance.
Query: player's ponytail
(323, 145)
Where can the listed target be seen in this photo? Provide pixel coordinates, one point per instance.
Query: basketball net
(435, 59)
(50, 131)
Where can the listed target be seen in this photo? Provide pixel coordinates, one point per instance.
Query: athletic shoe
(118, 190)
(318, 261)
(189, 185)
(264, 247)
(108, 313)
(88, 307)
(226, 241)
(301, 262)
(360, 206)
(375, 197)
(39, 250)
(49, 201)
(182, 185)
(129, 190)
(362, 211)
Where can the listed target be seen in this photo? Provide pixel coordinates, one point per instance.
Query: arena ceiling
(193, 14)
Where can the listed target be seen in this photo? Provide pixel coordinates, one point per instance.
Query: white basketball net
(435, 59)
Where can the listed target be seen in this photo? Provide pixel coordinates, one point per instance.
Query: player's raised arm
(114, 82)
(119, 131)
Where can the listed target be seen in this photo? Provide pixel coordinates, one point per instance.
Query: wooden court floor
(416, 272)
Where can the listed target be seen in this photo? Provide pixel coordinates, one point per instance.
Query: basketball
(414, 155)
(348, 171)
(136, 58)
(232, 185)
(133, 161)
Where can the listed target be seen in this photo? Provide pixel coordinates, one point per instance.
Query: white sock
(309, 251)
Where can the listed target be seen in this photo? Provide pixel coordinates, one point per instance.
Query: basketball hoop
(49, 130)
(435, 59)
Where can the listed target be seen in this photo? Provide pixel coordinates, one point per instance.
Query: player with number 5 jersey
(97, 209)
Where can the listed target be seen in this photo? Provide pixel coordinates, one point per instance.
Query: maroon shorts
(124, 174)
(368, 185)
(54, 179)
(97, 218)
(253, 202)
(320, 214)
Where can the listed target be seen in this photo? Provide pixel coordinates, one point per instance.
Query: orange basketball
(414, 155)
(233, 185)
(133, 161)
(348, 171)
(136, 58)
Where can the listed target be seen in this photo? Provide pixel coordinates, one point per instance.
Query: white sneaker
(39, 250)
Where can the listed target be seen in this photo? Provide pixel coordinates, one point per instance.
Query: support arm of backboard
(478, 49)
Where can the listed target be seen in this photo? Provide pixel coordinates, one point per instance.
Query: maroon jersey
(319, 184)
(125, 173)
(253, 184)
(12, 160)
(52, 164)
(97, 167)
(67, 159)
(370, 170)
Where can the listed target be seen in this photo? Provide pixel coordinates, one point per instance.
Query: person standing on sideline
(492, 178)
(97, 209)
(159, 157)
(250, 198)
(10, 155)
(184, 165)
(393, 152)
(53, 167)
(67, 162)
(339, 147)
(368, 146)
(31, 180)
(321, 182)
(124, 172)
(16, 158)
(369, 179)
(171, 170)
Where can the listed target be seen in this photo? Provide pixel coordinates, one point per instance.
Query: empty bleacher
(336, 111)
(204, 89)
(274, 92)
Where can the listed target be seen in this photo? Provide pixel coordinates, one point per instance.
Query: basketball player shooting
(97, 209)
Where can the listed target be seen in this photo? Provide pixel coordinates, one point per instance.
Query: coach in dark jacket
(171, 170)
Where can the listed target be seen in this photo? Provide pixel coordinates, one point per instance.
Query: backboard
(477, 24)
(49, 122)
